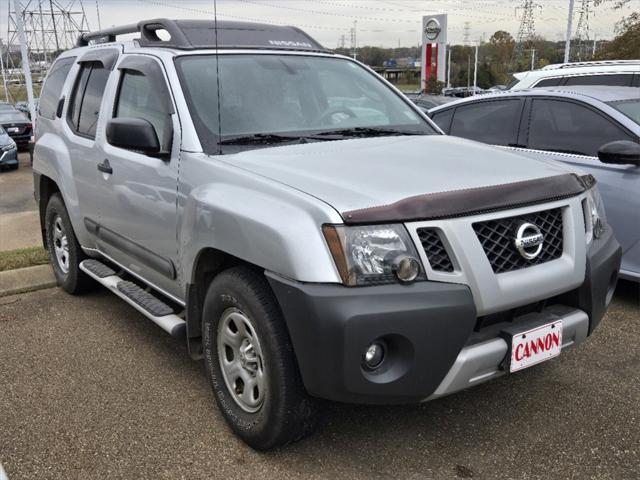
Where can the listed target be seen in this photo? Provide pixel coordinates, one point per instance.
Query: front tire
(64, 249)
(251, 364)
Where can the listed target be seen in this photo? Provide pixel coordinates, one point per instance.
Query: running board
(149, 305)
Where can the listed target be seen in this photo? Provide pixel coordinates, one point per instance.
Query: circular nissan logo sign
(529, 240)
(432, 29)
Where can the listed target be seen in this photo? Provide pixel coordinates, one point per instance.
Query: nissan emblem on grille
(529, 240)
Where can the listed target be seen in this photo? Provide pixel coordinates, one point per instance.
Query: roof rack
(201, 34)
(557, 66)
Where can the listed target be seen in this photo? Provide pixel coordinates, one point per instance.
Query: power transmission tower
(467, 32)
(526, 31)
(50, 26)
(582, 30)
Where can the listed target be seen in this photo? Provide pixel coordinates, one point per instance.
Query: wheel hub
(241, 361)
(61, 244)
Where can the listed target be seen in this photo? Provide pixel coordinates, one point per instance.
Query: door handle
(104, 167)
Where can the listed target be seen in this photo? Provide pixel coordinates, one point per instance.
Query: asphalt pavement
(91, 389)
(19, 221)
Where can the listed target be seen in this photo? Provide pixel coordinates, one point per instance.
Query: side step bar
(150, 306)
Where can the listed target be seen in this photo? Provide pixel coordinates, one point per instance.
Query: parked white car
(615, 73)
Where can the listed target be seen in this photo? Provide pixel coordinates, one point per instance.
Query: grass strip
(23, 257)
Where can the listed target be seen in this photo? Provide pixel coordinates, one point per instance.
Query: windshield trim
(211, 144)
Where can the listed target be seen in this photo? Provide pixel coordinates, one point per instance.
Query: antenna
(215, 30)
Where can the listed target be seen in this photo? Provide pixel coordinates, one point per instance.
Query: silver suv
(305, 227)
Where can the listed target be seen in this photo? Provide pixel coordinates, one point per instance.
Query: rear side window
(50, 95)
(617, 80)
(549, 82)
(139, 98)
(567, 127)
(84, 109)
(494, 122)
(443, 119)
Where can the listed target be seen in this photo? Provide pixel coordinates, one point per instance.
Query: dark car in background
(594, 128)
(18, 127)
(7, 107)
(427, 102)
(8, 151)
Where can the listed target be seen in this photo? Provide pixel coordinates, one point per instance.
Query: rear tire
(251, 364)
(64, 249)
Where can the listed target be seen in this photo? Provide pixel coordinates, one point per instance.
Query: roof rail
(106, 35)
(200, 34)
(595, 63)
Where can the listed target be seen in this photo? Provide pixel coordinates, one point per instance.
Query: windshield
(290, 96)
(631, 108)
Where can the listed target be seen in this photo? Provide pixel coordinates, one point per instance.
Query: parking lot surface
(91, 389)
(19, 223)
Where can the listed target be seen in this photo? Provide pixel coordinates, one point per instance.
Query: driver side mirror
(135, 134)
(621, 152)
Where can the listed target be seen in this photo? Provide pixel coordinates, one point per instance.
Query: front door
(137, 222)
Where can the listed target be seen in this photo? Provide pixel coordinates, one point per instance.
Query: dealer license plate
(536, 345)
(13, 129)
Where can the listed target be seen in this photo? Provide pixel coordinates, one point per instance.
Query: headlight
(594, 215)
(8, 147)
(373, 255)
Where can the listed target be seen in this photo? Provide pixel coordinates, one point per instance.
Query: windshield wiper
(260, 138)
(367, 132)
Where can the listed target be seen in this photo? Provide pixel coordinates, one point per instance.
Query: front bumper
(434, 344)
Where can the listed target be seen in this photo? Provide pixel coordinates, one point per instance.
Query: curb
(26, 280)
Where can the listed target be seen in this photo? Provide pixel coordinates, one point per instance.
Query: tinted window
(139, 98)
(493, 122)
(571, 128)
(443, 119)
(50, 95)
(549, 82)
(86, 99)
(619, 80)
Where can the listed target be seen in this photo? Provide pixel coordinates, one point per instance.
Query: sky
(379, 22)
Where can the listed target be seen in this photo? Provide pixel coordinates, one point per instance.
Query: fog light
(374, 355)
(406, 269)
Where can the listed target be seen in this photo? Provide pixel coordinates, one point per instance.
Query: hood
(363, 173)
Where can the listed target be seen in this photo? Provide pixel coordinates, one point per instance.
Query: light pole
(26, 69)
(567, 45)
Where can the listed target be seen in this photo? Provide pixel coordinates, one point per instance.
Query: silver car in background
(594, 128)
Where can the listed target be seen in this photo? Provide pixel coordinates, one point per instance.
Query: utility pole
(593, 53)
(468, 72)
(533, 58)
(26, 68)
(354, 38)
(567, 45)
(4, 76)
(98, 13)
(475, 71)
(449, 67)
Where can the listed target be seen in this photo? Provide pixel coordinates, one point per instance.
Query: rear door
(137, 223)
(573, 132)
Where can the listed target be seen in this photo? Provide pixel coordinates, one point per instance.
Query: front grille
(434, 249)
(498, 240)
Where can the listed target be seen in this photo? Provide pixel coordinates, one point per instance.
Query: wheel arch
(209, 263)
(44, 189)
